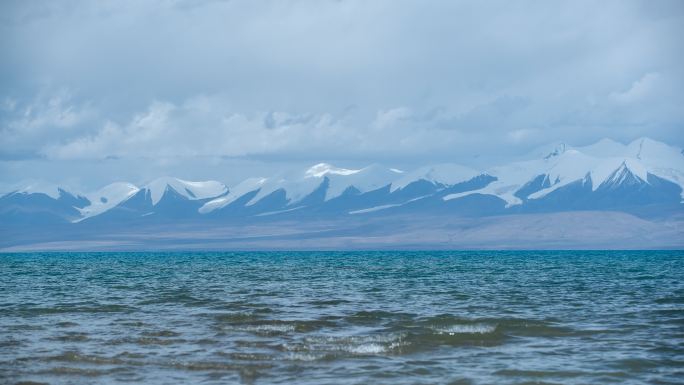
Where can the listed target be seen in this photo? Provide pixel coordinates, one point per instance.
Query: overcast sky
(97, 91)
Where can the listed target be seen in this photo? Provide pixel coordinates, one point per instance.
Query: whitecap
(366, 349)
(270, 328)
(466, 329)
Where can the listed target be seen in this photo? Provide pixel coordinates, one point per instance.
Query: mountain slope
(647, 171)
(644, 176)
(37, 208)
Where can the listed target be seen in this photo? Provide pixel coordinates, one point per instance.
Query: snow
(384, 207)
(659, 159)
(605, 162)
(546, 151)
(114, 194)
(245, 187)
(188, 189)
(645, 155)
(375, 208)
(604, 148)
(106, 198)
(39, 187)
(299, 186)
(599, 161)
(323, 169)
(446, 174)
(295, 189)
(510, 178)
(367, 179)
(268, 213)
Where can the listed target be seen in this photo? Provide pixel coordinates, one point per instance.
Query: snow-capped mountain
(41, 204)
(601, 165)
(165, 197)
(443, 175)
(187, 189)
(251, 185)
(321, 182)
(339, 180)
(642, 175)
(107, 198)
(39, 187)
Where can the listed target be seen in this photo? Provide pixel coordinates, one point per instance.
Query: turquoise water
(343, 318)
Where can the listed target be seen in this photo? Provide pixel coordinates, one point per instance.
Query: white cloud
(373, 81)
(26, 126)
(641, 89)
(199, 127)
(391, 117)
(517, 136)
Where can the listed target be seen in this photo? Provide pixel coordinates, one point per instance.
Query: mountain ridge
(558, 177)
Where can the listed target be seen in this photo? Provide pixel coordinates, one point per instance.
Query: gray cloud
(390, 81)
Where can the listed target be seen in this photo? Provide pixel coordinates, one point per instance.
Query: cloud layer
(286, 81)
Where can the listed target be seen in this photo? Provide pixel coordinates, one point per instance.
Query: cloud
(641, 89)
(391, 117)
(363, 81)
(522, 134)
(26, 126)
(198, 127)
(208, 126)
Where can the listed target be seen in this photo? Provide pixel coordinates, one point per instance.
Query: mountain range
(640, 181)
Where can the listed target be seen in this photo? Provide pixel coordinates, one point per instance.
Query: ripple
(30, 383)
(215, 365)
(161, 333)
(72, 337)
(77, 357)
(248, 356)
(65, 309)
(66, 324)
(81, 372)
(269, 328)
(538, 373)
(180, 298)
(320, 347)
(145, 341)
(10, 343)
(328, 302)
(344, 318)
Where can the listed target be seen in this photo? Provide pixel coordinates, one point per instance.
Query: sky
(93, 92)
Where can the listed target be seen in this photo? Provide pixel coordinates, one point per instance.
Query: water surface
(343, 318)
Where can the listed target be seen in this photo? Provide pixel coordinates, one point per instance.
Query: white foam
(270, 328)
(367, 349)
(466, 329)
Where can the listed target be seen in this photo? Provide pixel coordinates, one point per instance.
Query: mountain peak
(625, 174)
(444, 173)
(557, 166)
(108, 197)
(39, 187)
(604, 147)
(322, 169)
(188, 189)
(558, 149)
(546, 151)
